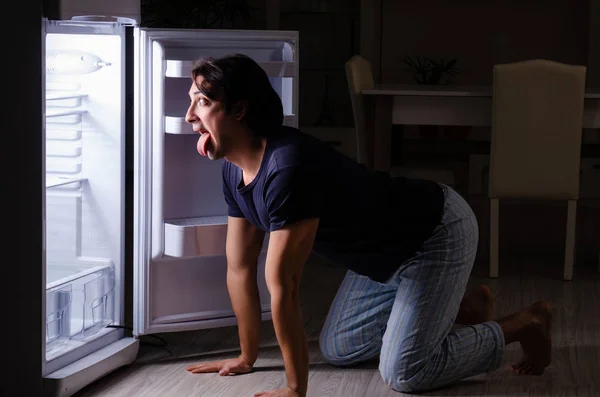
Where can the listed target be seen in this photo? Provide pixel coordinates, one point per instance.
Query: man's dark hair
(236, 77)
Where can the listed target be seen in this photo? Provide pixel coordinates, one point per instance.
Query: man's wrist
(296, 389)
(247, 360)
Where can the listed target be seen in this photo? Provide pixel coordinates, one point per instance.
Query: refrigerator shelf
(182, 69)
(289, 120)
(58, 97)
(178, 125)
(65, 100)
(62, 165)
(63, 149)
(200, 236)
(61, 113)
(57, 134)
(55, 181)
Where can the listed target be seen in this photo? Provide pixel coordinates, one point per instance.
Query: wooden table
(436, 105)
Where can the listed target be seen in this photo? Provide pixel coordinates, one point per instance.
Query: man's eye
(202, 102)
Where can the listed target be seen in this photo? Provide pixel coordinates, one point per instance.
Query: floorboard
(575, 370)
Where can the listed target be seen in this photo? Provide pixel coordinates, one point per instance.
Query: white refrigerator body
(179, 213)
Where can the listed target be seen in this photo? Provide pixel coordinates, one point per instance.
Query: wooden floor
(575, 370)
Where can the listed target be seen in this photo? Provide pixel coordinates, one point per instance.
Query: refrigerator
(108, 82)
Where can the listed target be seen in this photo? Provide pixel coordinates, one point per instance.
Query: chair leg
(494, 225)
(570, 241)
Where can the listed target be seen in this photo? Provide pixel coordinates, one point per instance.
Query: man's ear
(240, 110)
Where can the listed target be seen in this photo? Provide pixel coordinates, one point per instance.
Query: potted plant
(194, 14)
(430, 72)
(427, 71)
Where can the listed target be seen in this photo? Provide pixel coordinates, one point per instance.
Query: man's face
(209, 118)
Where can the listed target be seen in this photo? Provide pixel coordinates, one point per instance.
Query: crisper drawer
(78, 303)
(58, 316)
(202, 236)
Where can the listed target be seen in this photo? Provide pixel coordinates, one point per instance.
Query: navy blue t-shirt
(368, 222)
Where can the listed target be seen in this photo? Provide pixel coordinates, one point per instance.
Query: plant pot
(457, 132)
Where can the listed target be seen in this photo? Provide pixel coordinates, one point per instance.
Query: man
(409, 246)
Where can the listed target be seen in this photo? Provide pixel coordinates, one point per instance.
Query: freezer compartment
(79, 302)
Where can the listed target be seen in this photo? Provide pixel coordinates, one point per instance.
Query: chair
(360, 77)
(536, 141)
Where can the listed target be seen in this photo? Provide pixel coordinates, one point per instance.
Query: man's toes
(536, 370)
(519, 364)
(520, 367)
(525, 369)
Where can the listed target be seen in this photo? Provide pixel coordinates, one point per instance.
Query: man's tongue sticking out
(204, 143)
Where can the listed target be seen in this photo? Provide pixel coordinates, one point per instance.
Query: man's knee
(339, 359)
(405, 376)
(331, 352)
(338, 351)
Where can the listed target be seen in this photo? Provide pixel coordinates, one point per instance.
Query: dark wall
(21, 269)
(51, 9)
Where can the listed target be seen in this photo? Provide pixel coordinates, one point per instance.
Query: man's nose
(190, 116)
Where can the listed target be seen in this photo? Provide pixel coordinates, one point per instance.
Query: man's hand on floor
(232, 366)
(287, 392)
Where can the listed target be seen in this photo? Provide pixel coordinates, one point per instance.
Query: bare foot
(476, 307)
(536, 341)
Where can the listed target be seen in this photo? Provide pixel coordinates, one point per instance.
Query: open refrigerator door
(84, 171)
(180, 213)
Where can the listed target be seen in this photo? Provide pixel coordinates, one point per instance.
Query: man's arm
(244, 242)
(289, 249)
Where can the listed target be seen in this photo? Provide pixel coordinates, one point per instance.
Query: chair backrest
(536, 130)
(360, 76)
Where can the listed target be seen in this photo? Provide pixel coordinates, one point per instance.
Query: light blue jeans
(408, 321)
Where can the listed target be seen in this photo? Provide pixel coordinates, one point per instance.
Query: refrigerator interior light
(73, 62)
